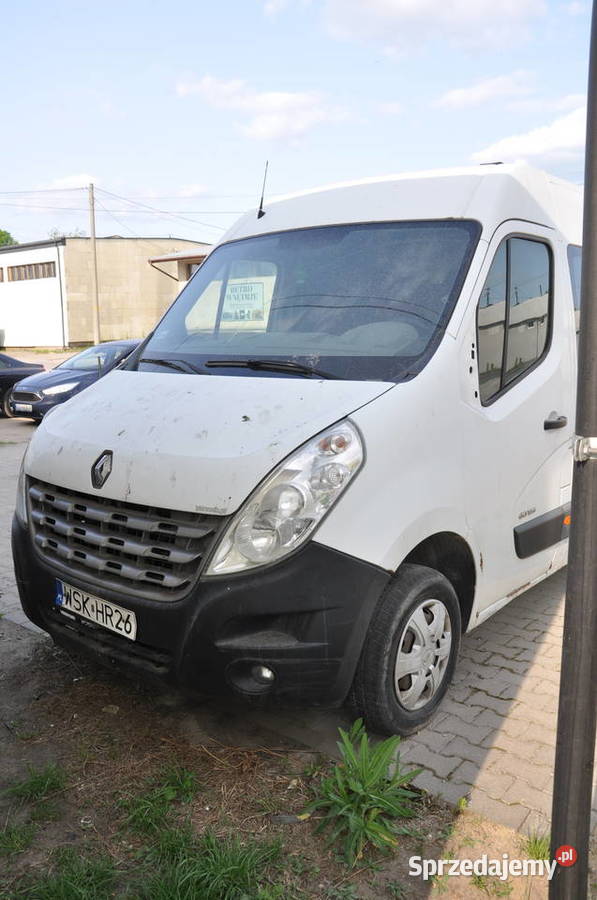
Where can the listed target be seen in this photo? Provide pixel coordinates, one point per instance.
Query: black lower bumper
(304, 618)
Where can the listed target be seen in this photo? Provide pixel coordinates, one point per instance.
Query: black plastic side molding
(542, 532)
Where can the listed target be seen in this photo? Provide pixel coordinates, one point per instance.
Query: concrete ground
(48, 358)
(493, 739)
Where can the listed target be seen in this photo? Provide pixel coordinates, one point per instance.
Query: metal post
(575, 748)
(94, 288)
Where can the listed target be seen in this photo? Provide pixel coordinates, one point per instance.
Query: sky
(172, 111)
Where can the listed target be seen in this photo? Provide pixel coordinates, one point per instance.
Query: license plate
(23, 407)
(71, 600)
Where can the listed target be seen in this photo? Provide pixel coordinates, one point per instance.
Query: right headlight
(284, 510)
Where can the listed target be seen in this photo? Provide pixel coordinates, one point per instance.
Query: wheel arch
(450, 554)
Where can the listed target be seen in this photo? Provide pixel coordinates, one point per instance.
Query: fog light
(262, 674)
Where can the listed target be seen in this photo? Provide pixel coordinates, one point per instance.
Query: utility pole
(94, 288)
(577, 715)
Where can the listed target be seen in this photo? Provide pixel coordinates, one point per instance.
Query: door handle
(555, 421)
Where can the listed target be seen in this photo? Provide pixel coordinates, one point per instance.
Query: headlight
(21, 501)
(285, 509)
(60, 388)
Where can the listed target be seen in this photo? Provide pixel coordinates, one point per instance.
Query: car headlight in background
(59, 389)
(21, 500)
(284, 510)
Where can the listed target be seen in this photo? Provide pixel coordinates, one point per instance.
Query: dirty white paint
(436, 459)
(187, 442)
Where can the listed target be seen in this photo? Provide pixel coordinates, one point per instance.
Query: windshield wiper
(270, 365)
(180, 365)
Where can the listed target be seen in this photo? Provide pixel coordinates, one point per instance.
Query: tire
(5, 407)
(418, 604)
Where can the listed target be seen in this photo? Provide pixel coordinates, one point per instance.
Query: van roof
(491, 194)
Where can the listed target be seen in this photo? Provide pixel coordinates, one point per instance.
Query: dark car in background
(11, 371)
(32, 397)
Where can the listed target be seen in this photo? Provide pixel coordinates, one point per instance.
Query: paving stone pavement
(493, 738)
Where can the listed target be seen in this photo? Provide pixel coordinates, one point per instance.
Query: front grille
(141, 550)
(27, 396)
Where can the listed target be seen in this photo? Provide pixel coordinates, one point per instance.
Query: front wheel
(409, 654)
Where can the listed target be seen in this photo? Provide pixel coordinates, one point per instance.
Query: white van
(347, 442)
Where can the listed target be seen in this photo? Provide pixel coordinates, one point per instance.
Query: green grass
(73, 877)
(16, 838)
(342, 892)
(440, 884)
(492, 886)
(396, 889)
(22, 734)
(39, 783)
(217, 869)
(172, 843)
(72, 350)
(146, 813)
(180, 782)
(361, 800)
(537, 845)
(45, 811)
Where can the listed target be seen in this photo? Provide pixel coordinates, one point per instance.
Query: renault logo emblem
(100, 470)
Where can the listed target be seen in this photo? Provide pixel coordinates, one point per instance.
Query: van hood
(196, 443)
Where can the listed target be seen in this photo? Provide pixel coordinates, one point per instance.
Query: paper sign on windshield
(244, 302)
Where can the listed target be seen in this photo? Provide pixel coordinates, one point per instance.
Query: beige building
(46, 288)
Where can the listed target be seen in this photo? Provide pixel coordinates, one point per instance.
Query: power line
(37, 206)
(193, 196)
(124, 225)
(174, 215)
(140, 196)
(155, 212)
(45, 191)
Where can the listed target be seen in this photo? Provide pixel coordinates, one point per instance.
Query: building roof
(31, 245)
(183, 256)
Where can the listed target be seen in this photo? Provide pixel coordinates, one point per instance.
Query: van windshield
(363, 301)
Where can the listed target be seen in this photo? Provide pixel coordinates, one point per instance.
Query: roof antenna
(261, 211)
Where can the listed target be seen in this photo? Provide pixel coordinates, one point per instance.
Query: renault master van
(346, 443)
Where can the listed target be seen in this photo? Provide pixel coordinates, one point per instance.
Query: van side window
(528, 306)
(491, 326)
(575, 263)
(513, 314)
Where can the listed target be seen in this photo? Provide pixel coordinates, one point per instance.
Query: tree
(57, 233)
(6, 238)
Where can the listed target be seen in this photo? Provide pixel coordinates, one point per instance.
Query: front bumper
(38, 407)
(305, 618)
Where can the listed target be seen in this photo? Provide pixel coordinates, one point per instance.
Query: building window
(513, 316)
(33, 270)
(1, 274)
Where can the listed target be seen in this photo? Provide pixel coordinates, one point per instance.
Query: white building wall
(32, 312)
